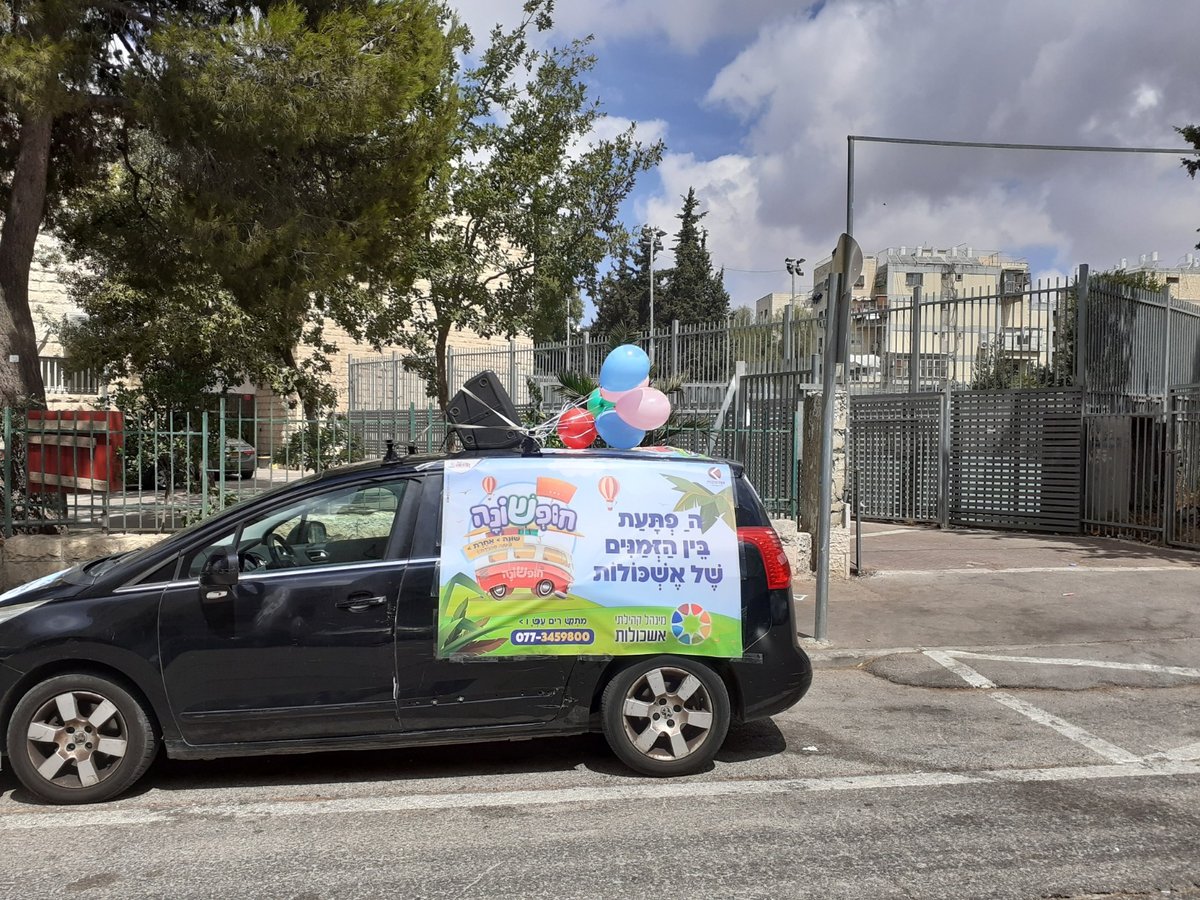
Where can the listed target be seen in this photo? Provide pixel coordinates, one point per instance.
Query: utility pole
(651, 235)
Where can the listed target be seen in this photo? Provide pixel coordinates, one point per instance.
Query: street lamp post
(793, 267)
(651, 236)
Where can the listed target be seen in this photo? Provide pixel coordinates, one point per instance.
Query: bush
(320, 445)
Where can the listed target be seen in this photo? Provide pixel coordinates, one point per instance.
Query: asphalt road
(942, 774)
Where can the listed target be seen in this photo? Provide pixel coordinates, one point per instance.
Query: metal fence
(1184, 469)
(1137, 344)
(703, 356)
(154, 471)
(1015, 336)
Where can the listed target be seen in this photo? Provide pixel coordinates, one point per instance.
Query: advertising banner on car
(574, 556)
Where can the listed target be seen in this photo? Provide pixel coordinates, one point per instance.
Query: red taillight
(779, 570)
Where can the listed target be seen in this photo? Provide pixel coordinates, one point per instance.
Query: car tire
(43, 726)
(499, 592)
(544, 588)
(665, 716)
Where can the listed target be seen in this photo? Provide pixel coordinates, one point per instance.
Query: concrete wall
(25, 557)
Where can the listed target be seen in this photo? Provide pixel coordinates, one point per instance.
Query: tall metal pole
(825, 489)
(650, 234)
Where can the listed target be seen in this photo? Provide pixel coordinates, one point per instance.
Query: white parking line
(1184, 754)
(1189, 568)
(1097, 745)
(120, 816)
(1081, 663)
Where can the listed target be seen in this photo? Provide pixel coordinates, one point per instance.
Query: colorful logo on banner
(588, 558)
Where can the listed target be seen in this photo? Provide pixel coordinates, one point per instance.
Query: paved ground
(988, 734)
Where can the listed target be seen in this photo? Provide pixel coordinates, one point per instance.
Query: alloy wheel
(77, 739)
(667, 714)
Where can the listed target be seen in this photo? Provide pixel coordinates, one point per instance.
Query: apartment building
(969, 303)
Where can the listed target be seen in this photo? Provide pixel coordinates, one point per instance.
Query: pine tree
(694, 291)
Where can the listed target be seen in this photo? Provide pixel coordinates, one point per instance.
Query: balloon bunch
(622, 409)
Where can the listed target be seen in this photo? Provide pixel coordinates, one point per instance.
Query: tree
(623, 294)
(61, 72)
(694, 291)
(526, 210)
(277, 175)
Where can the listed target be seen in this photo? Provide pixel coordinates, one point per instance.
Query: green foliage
(711, 506)
(280, 173)
(623, 295)
(1191, 134)
(526, 210)
(321, 445)
(694, 291)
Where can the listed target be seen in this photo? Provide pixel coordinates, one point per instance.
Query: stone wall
(839, 535)
(25, 557)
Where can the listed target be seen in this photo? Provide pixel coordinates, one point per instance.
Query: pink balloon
(645, 407)
(614, 396)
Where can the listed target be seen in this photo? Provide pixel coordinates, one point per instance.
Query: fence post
(1166, 295)
(451, 378)
(944, 461)
(1081, 304)
(221, 454)
(788, 349)
(914, 342)
(8, 472)
(204, 464)
(512, 368)
(674, 346)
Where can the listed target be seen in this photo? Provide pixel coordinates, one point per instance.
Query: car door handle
(317, 555)
(359, 602)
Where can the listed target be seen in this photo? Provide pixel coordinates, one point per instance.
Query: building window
(912, 279)
(1172, 279)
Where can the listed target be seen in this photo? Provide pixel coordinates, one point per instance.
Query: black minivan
(268, 629)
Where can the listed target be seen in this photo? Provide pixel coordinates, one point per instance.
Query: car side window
(345, 525)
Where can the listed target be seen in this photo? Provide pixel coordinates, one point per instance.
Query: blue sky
(755, 98)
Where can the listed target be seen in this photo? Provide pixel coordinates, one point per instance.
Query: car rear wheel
(79, 738)
(544, 588)
(666, 716)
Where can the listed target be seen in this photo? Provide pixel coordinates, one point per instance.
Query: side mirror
(219, 574)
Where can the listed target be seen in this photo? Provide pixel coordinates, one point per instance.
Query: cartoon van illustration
(536, 568)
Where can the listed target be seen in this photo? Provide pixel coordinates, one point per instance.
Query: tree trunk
(309, 403)
(21, 381)
(443, 376)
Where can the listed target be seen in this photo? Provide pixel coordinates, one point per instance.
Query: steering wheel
(281, 552)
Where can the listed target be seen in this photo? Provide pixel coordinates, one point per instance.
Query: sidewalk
(973, 589)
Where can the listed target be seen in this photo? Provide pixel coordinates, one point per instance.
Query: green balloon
(597, 404)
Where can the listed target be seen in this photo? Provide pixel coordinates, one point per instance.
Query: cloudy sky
(755, 100)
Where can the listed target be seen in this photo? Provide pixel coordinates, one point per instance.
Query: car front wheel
(79, 738)
(666, 716)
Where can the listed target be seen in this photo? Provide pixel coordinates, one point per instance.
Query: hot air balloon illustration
(609, 488)
(489, 485)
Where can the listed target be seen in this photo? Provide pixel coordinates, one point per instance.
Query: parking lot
(1044, 741)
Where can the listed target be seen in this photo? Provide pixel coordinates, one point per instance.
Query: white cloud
(1017, 71)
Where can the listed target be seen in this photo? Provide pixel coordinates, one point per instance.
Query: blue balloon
(624, 368)
(617, 432)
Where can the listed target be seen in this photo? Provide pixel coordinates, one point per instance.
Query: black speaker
(484, 404)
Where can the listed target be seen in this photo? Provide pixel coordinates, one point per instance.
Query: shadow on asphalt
(522, 760)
